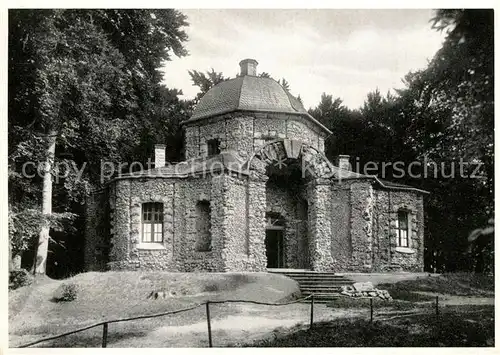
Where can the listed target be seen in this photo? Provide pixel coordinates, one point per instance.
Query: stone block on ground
(363, 286)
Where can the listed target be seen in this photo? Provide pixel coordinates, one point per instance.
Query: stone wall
(388, 255)
(178, 251)
(235, 244)
(189, 258)
(128, 251)
(319, 194)
(120, 225)
(191, 142)
(97, 241)
(256, 221)
(341, 245)
(364, 220)
(237, 254)
(246, 132)
(351, 225)
(361, 225)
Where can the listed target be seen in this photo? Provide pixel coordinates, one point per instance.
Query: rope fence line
(105, 324)
(263, 303)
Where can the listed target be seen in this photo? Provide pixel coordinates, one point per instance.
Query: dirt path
(28, 300)
(452, 300)
(250, 323)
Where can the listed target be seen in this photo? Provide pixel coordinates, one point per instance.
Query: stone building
(255, 192)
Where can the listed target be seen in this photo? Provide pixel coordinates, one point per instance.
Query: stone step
(319, 278)
(325, 286)
(308, 273)
(312, 279)
(312, 289)
(301, 277)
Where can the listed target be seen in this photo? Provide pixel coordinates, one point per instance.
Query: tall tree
(456, 122)
(205, 81)
(444, 116)
(82, 88)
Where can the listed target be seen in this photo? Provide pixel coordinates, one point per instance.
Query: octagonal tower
(241, 114)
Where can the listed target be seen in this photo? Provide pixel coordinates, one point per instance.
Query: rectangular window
(403, 232)
(152, 222)
(213, 146)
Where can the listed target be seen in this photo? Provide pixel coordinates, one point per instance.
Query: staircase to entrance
(324, 285)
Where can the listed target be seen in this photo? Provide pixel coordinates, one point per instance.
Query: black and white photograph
(248, 177)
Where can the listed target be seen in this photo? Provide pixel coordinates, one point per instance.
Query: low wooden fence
(207, 304)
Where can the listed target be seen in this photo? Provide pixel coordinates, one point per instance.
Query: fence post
(371, 310)
(312, 311)
(209, 326)
(437, 306)
(104, 335)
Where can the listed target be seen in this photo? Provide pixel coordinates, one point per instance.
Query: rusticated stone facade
(329, 224)
(245, 133)
(268, 196)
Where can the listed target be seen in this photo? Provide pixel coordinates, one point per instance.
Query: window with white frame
(152, 222)
(403, 230)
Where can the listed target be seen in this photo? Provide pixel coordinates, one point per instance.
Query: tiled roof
(223, 97)
(249, 93)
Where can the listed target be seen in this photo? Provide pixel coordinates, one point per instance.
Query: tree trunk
(16, 261)
(11, 261)
(43, 239)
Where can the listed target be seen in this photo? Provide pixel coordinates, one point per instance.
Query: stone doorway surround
(316, 173)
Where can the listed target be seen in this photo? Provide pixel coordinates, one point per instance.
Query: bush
(65, 293)
(19, 278)
(211, 288)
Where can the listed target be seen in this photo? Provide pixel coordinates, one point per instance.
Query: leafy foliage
(19, 278)
(205, 81)
(66, 292)
(92, 77)
(442, 117)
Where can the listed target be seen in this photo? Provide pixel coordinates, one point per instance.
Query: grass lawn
(396, 304)
(459, 284)
(34, 314)
(455, 327)
(408, 320)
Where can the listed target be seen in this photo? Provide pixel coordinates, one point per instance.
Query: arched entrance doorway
(288, 172)
(275, 246)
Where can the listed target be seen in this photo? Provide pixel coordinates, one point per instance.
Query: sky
(344, 53)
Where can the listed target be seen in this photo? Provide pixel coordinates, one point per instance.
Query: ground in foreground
(456, 326)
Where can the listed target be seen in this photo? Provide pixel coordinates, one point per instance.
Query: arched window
(402, 228)
(152, 222)
(203, 226)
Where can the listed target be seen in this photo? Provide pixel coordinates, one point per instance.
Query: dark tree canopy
(88, 81)
(442, 116)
